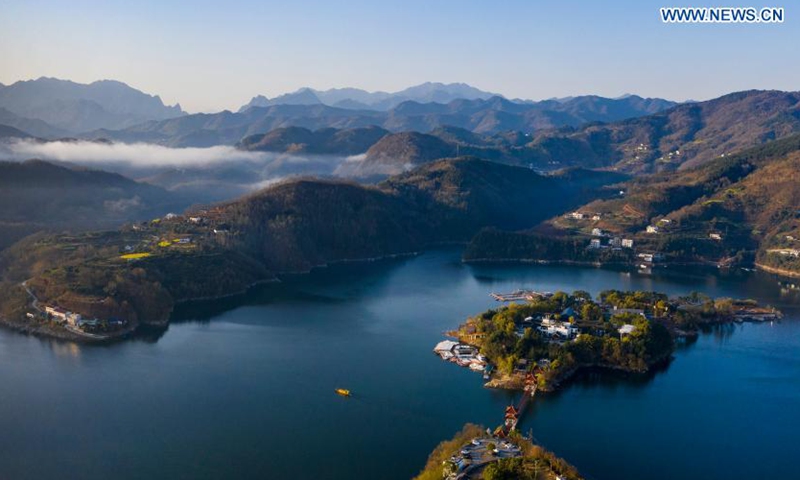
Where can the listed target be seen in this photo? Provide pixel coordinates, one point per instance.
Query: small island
(475, 454)
(540, 342)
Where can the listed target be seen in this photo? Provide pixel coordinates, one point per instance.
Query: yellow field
(135, 256)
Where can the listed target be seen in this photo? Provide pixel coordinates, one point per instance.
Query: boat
(343, 392)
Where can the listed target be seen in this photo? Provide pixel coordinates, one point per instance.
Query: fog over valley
(202, 174)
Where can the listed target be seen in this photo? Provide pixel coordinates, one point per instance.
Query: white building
(715, 236)
(553, 327)
(576, 215)
(445, 346)
(627, 243)
(652, 229)
(596, 232)
(594, 243)
(650, 257)
(626, 329)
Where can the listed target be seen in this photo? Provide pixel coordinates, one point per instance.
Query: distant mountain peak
(357, 99)
(78, 107)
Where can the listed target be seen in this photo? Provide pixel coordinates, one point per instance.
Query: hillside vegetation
(140, 271)
(737, 208)
(37, 195)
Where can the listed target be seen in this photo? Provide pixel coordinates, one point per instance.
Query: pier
(520, 295)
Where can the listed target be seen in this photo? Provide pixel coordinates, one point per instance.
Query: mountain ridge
(76, 107)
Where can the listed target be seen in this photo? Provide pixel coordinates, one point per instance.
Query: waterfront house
(650, 257)
(444, 346)
(57, 314)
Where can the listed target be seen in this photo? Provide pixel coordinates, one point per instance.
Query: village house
(594, 243)
(576, 216)
(615, 242)
(715, 236)
(627, 243)
(596, 232)
(652, 229)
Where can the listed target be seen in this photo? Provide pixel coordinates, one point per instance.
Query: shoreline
(63, 334)
(43, 330)
(777, 271)
(781, 272)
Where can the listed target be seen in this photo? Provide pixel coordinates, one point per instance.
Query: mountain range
(357, 99)
(486, 116)
(680, 137)
(49, 107)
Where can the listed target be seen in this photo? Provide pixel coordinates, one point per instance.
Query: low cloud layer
(203, 174)
(135, 154)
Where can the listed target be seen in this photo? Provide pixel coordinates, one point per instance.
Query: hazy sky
(211, 55)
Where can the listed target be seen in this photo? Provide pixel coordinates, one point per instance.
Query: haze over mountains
(357, 99)
(49, 107)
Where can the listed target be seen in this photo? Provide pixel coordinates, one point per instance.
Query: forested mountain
(324, 141)
(680, 137)
(740, 208)
(291, 226)
(36, 195)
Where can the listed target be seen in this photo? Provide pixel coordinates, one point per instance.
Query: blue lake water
(244, 388)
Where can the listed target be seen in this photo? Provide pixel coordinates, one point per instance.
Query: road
(478, 456)
(35, 303)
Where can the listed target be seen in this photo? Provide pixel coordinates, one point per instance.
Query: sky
(214, 55)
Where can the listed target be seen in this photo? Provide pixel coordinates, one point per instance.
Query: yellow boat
(343, 392)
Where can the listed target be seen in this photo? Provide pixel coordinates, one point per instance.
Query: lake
(244, 388)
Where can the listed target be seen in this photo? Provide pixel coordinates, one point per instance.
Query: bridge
(513, 413)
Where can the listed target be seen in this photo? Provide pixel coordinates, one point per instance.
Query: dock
(520, 295)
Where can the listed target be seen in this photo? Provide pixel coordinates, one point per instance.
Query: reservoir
(245, 388)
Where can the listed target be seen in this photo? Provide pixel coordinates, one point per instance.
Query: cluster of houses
(613, 242)
(564, 329)
(556, 329)
(787, 252)
(461, 354)
(62, 316)
(75, 320)
(584, 216)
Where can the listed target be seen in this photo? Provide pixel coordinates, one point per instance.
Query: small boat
(343, 392)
